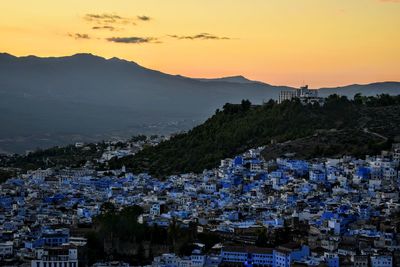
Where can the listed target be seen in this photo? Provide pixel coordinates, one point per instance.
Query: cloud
(79, 35)
(103, 16)
(106, 27)
(111, 18)
(133, 40)
(108, 18)
(201, 36)
(144, 18)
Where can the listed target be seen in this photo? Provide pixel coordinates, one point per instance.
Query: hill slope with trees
(369, 123)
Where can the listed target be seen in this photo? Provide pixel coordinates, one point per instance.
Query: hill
(361, 126)
(61, 100)
(328, 143)
(48, 101)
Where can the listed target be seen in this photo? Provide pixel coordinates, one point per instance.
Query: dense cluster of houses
(280, 256)
(338, 212)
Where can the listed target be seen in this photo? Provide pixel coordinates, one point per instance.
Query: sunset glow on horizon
(282, 42)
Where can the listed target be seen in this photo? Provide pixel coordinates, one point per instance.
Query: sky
(322, 43)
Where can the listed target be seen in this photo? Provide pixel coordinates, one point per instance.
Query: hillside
(50, 101)
(328, 143)
(354, 127)
(61, 100)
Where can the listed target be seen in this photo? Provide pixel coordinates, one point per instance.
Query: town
(283, 212)
(191, 133)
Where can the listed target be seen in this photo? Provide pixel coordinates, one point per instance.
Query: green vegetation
(119, 236)
(330, 143)
(239, 127)
(5, 175)
(68, 156)
(138, 138)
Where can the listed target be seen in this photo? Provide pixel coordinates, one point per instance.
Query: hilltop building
(305, 95)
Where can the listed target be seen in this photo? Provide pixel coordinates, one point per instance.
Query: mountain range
(57, 100)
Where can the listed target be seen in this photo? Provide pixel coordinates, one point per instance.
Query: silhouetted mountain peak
(82, 57)
(86, 56)
(237, 78)
(6, 56)
(120, 60)
(232, 79)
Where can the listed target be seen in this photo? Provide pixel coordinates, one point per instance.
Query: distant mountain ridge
(56, 100)
(390, 87)
(231, 79)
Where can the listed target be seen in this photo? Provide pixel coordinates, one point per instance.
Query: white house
(66, 256)
(381, 261)
(6, 249)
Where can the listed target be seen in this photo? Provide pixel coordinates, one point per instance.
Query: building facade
(56, 257)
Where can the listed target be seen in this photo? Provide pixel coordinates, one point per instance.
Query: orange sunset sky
(281, 42)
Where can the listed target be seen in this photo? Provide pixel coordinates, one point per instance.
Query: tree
(107, 207)
(358, 99)
(138, 138)
(140, 255)
(173, 233)
(262, 240)
(246, 104)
